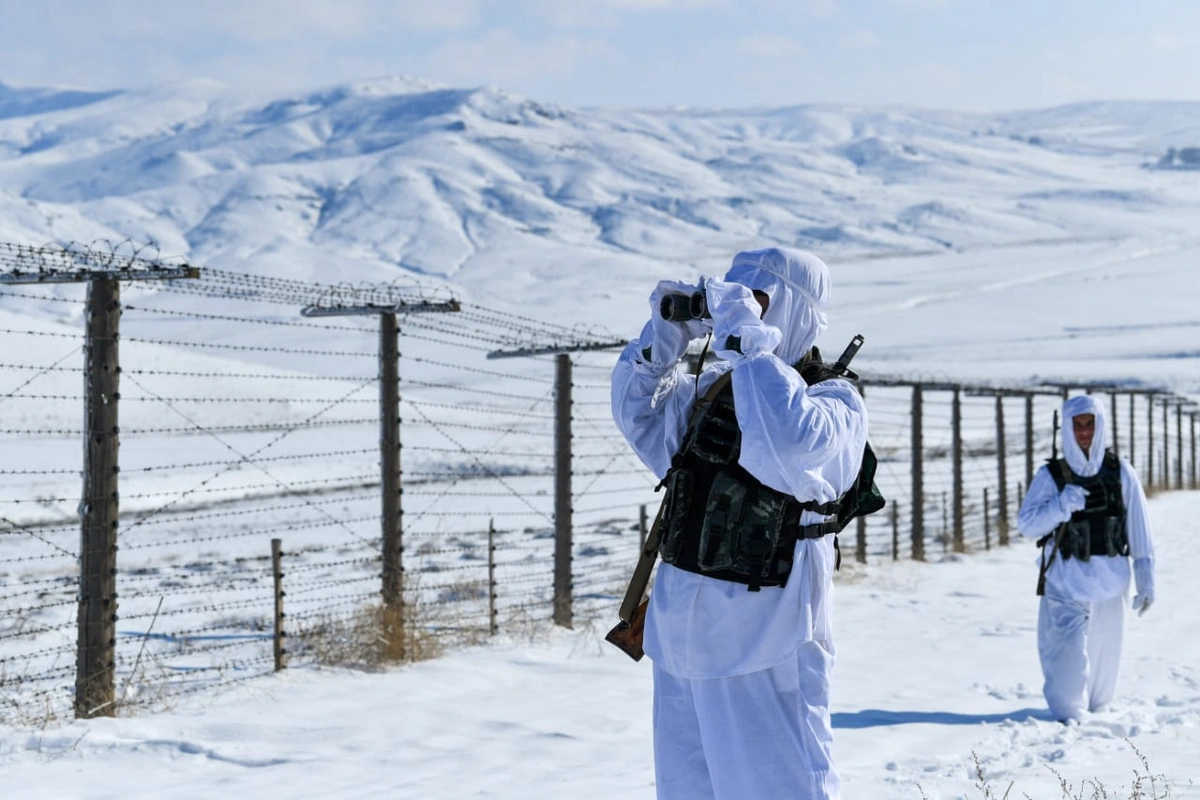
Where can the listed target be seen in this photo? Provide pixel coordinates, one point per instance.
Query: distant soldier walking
(1088, 513)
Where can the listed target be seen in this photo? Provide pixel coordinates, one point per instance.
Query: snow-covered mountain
(373, 180)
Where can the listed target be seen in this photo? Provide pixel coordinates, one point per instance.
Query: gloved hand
(1143, 581)
(736, 324)
(668, 341)
(1072, 498)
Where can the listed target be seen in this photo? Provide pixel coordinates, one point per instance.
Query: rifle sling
(645, 565)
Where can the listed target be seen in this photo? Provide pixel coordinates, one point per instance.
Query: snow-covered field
(937, 670)
(1007, 249)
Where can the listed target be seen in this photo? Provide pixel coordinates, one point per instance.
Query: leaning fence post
(95, 657)
(562, 492)
(643, 531)
(918, 478)
(277, 575)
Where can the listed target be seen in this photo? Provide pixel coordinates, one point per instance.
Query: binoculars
(678, 307)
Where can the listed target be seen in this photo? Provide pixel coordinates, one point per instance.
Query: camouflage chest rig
(1097, 529)
(722, 522)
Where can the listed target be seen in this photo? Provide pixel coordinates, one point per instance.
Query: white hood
(798, 284)
(1079, 463)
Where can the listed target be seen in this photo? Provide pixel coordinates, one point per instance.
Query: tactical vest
(1098, 529)
(721, 521)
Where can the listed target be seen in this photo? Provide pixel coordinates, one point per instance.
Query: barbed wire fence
(256, 408)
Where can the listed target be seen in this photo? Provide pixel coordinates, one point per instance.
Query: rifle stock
(627, 634)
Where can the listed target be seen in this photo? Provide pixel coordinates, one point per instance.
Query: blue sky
(962, 54)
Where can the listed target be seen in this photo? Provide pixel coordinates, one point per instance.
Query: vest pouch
(717, 438)
(1083, 542)
(679, 501)
(722, 522)
(759, 536)
(1078, 539)
(1096, 501)
(1114, 538)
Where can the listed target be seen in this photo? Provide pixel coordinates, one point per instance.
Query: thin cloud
(500, 55)
(822, 9)
(770, 46)
(256, 21)
(861, 39)
(1167, 41)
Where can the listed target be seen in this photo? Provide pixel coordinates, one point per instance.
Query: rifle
(842, 365)
(1054, 438)
(627, 634)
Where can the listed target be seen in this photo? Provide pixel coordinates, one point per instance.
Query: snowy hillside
(385, 177)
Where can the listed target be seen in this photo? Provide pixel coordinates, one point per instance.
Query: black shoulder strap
(1060, 472)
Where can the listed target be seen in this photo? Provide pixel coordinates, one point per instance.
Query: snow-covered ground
(937, 671)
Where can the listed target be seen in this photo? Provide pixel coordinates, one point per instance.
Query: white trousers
(1079, 644)
(761, 736)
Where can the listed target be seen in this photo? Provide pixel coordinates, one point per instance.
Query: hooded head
(1081, 463)
(799, 287)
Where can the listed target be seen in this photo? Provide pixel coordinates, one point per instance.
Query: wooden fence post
(96, 649)
(1112, 425)
(1028, 438)
(1167, 443)
(987, 528)
(1179, 446)
(1150, 478)
(392, 517)
(1192, 423)
(277, 575)
(946, 534)
(1002, 469)
(1132, 418)
(562, 492)
(918, 478)
(895, 531)
(957, 447)
(493, 626)
(860, 540)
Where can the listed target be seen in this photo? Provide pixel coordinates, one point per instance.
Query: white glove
(735, 315)
(668, 341)
(1072, 498)
(1143, 581)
